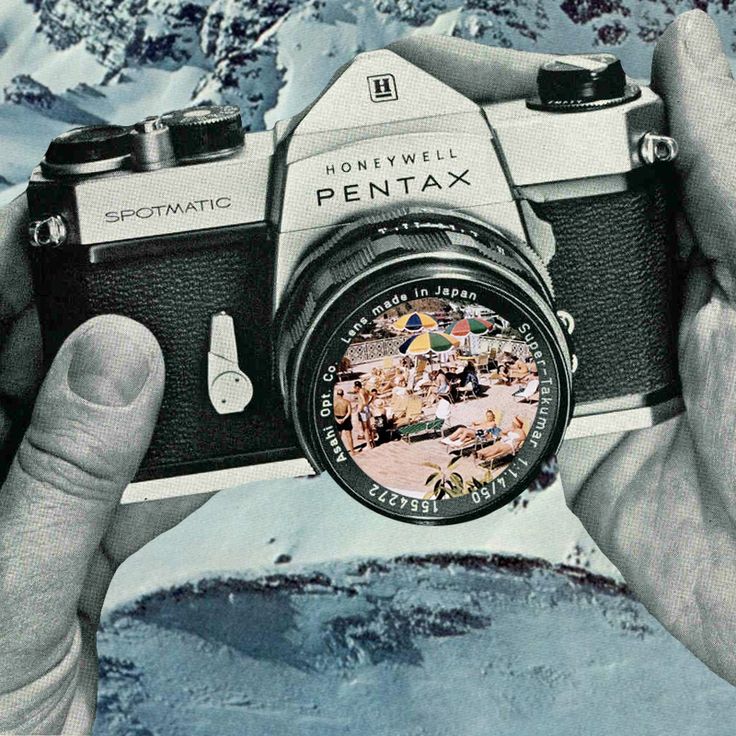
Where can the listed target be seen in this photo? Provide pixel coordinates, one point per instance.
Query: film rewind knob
(577, 83)
(230, 390)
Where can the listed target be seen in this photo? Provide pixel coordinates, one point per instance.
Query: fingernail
(108, 366)
(703, 43)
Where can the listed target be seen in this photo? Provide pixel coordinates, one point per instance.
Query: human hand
(62, 532)
(660, 502)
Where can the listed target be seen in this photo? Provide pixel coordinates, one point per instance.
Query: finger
(21, 367)
(20, 338)
(578, 460)
(21, 371)
(692, 74)
(132, 527)
(136, 524)
(482, 73)
(15, 274)
(90, 428)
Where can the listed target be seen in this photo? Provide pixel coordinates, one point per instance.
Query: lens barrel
(347, 299)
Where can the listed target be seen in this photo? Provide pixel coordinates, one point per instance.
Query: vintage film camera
(383, 287)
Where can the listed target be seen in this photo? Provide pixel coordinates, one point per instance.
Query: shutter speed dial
(204, 133)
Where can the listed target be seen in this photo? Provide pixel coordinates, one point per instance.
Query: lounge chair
(495, 378)
(530, 392)
(474, 444)
(495, 462)
(398, 405)
(430, 425)
(516, 373)
(467, 389)
(413, 411)
(420, 429)
(443, 411)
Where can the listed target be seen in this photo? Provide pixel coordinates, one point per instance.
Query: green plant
(444, 482)
(475, 484)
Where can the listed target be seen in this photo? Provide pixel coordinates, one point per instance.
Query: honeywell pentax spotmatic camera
(383, 287)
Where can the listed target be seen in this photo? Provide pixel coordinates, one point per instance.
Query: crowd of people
(371, 409)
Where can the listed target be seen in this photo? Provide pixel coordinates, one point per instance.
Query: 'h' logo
(382, 88)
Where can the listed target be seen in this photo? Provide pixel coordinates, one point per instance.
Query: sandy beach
(399, 465)
(427, 373)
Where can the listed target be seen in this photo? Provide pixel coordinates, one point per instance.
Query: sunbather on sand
(424, 379)
(439, 388)
(504, 378)
(399, 380)
(509, 444)
(378, 380)
(480, 430)
(529, 377)
(518, 372)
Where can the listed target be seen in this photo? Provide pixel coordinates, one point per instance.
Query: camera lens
(424, 367)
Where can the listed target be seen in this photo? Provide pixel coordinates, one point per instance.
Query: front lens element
(436, 396)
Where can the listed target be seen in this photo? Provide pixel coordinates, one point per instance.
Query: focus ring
(315, 279)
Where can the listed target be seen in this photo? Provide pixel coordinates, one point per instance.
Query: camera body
(203, 234)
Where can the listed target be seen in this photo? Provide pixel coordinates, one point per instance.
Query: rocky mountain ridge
(25, 91)
(271, 57)
(204, 33)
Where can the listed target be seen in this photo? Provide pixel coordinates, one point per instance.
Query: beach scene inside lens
(435, 397)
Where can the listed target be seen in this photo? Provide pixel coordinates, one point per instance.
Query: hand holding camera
(415, 228)
(658, 500)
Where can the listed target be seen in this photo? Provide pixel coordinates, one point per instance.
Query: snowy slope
(300, 524)
(420, 646)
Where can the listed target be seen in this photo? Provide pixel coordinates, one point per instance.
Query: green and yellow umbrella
(469, 326)
(428, 342)
(415, 321)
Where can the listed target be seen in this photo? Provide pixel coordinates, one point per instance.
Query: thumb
(482, 73)
(693, 76)
(90, 428)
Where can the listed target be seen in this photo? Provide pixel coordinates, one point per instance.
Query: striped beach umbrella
(469, 326)
(414, 322)
(428, 342)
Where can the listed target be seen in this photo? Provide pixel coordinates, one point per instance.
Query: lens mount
(350, 354)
